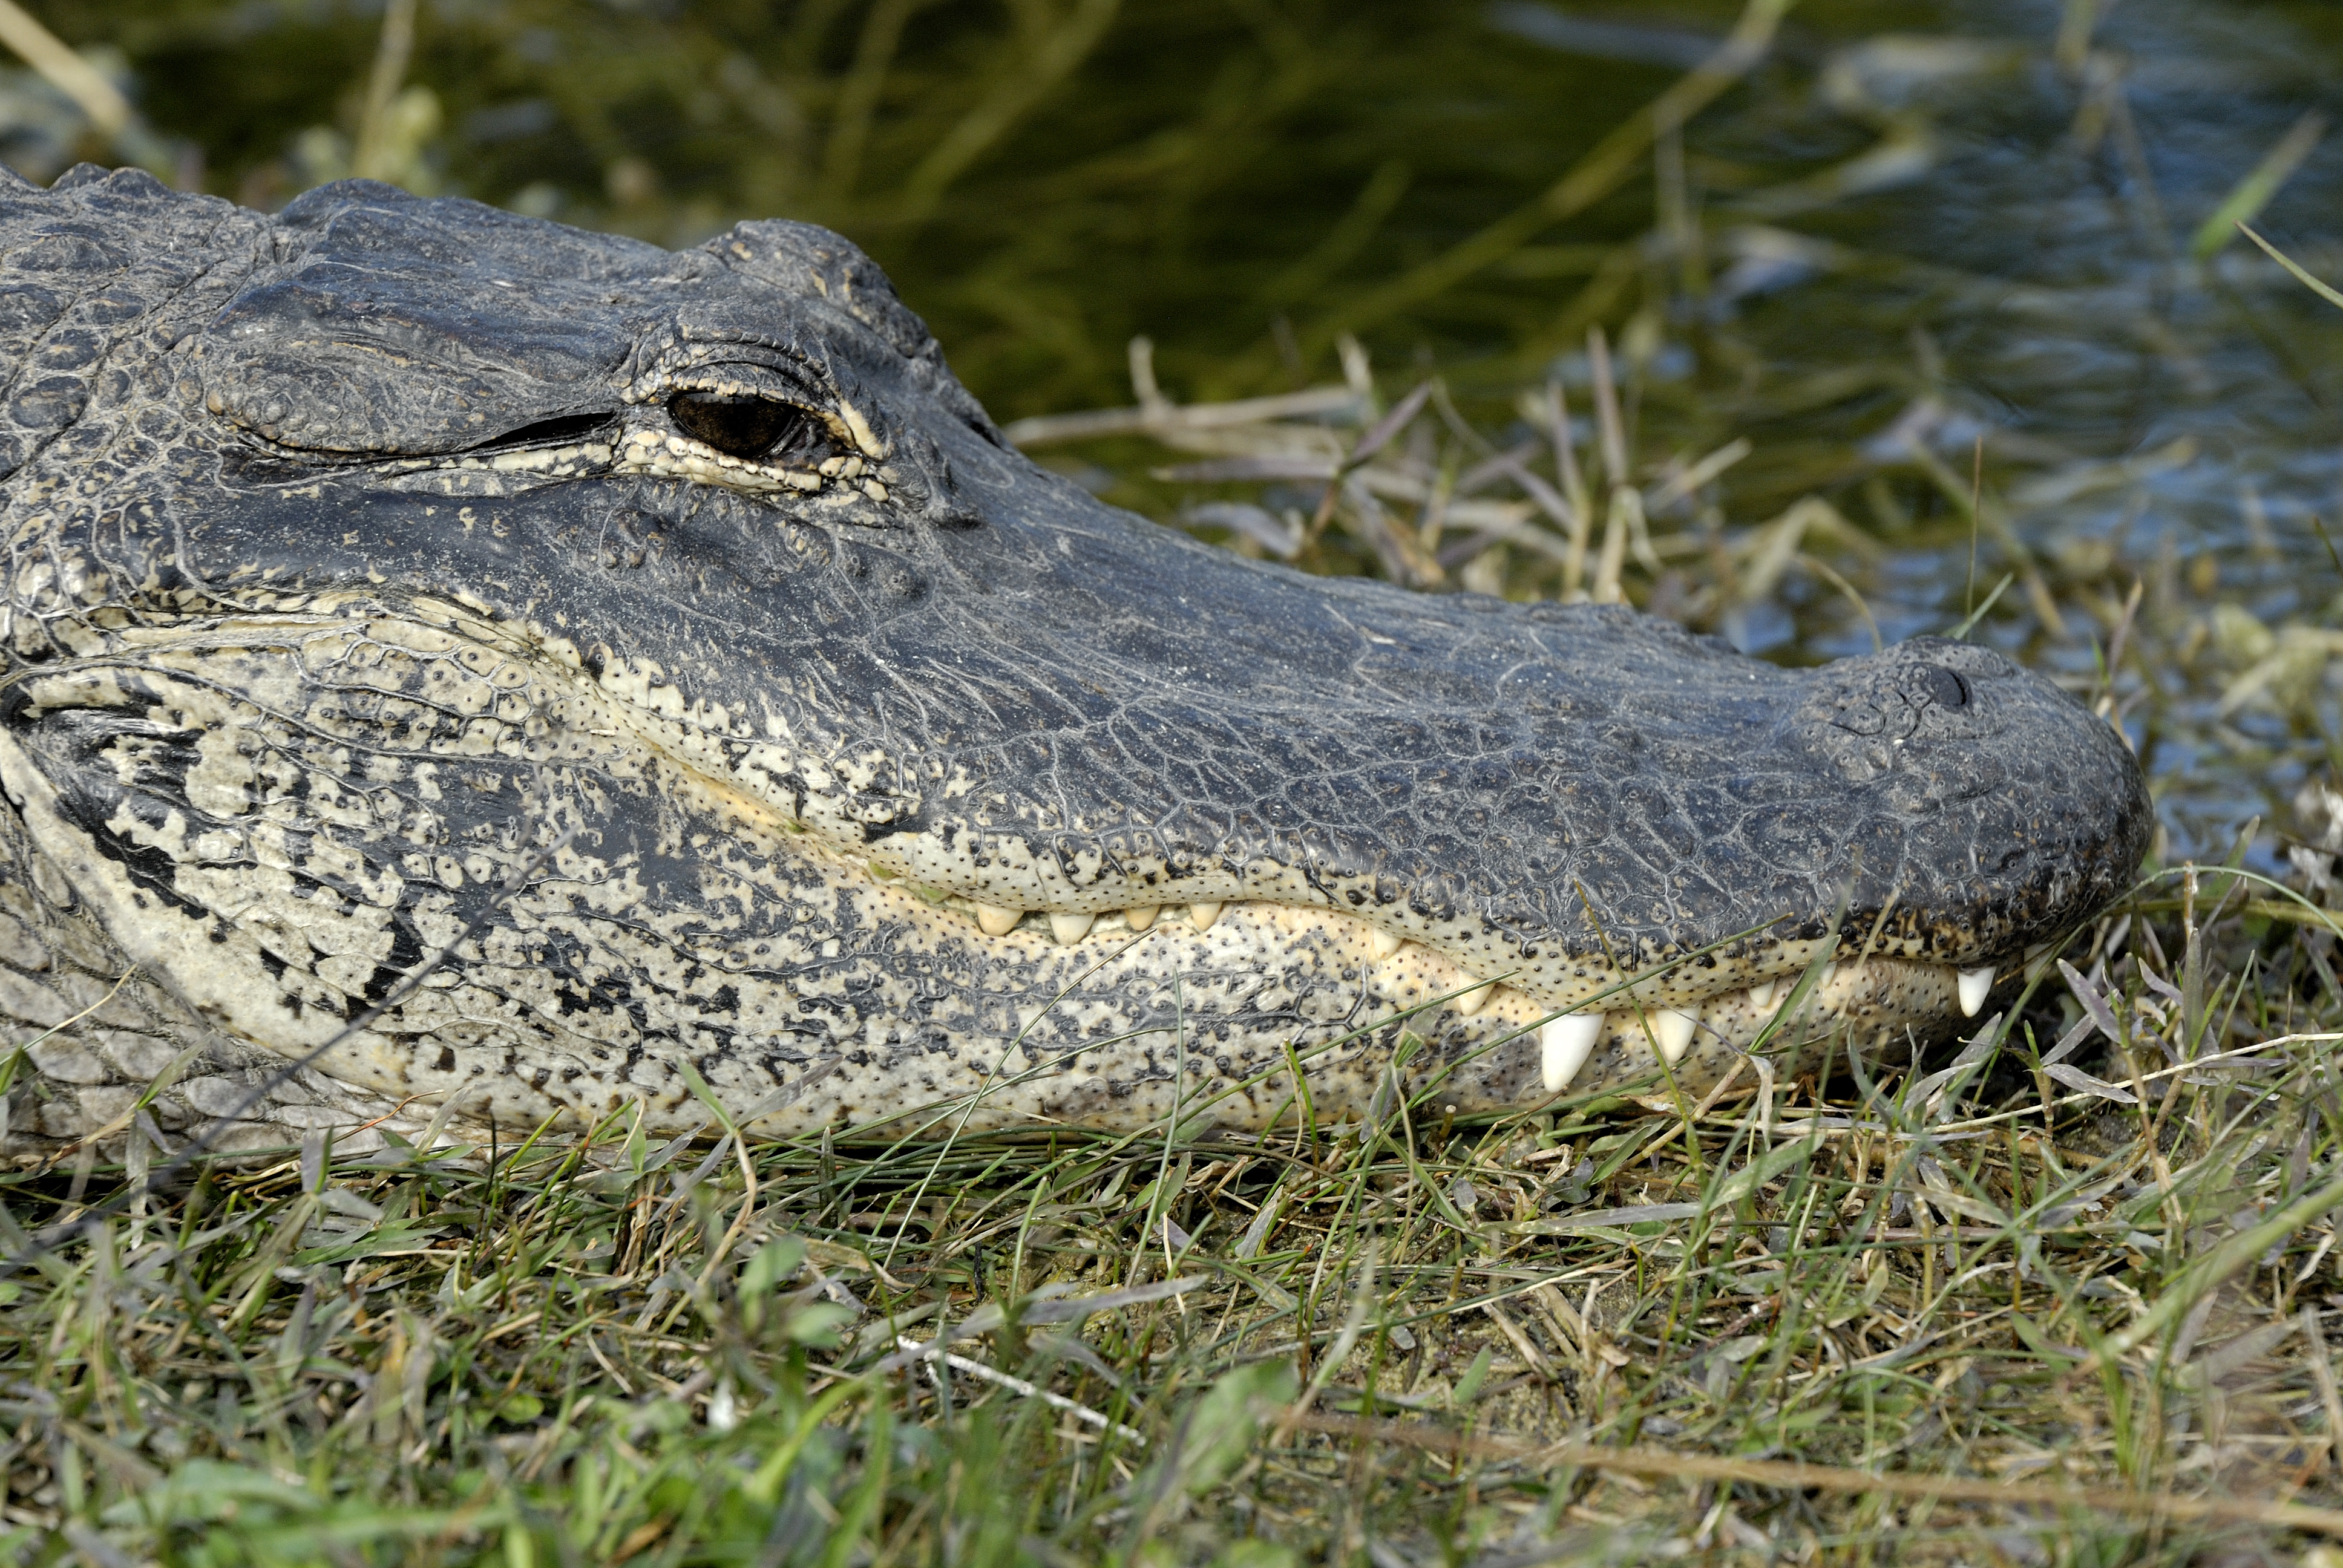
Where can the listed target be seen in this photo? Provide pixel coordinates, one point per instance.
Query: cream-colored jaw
(1627, 1011)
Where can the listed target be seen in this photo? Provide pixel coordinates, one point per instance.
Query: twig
(935, 1351)
(1049, 429)
(1824, 571)
(393, 49)
(62, 66)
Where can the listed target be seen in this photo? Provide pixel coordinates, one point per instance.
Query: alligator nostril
(1945, 688)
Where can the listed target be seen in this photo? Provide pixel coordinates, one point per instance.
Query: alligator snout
(2033, 789)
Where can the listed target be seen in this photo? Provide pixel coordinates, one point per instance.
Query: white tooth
(1203, 915)
(1070, 929)
(1671, 1031)
(995, 921)
(1139, 919)
(1474, 1001)
(1828, 973)
(1761, 995)
(1382, 943)
(1563, 1046)
(1973, 985)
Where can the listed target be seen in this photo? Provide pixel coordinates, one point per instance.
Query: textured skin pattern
(362, 591)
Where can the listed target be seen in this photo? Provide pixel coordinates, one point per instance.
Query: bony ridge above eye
(747, 424)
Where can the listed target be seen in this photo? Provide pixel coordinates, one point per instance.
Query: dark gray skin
(370, 597)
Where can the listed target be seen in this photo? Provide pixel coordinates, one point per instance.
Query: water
(2045, 253)
(1915, 222)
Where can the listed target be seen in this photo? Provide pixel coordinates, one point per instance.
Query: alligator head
(665, 652)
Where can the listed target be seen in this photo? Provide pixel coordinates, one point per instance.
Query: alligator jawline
(1637, 1028)
(1623, 1012)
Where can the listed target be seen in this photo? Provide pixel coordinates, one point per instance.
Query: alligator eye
(1945, 689)
(746, 427)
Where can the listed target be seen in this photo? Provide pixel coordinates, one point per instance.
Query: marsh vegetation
(1805, 327)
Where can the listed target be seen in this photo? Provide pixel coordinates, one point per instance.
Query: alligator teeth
(1563, 1046)
(1829, 972)
(1973, 985)
(1203, 915)
(1382, 943)
(1070, 929)
(1139, 919)
(1474, 1001)
(995, 921)
(1761, 995)
(1671, 1032)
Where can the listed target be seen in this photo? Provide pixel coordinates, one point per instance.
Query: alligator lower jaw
(1338, 996)
(1611, 1016)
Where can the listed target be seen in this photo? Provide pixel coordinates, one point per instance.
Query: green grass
(1587, 1332)
(2100, 1284)
(626, 1351)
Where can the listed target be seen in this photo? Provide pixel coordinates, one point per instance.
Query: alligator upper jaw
(1571, 796)
(1900, 970)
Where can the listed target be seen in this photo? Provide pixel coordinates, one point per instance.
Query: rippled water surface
(2038, 277)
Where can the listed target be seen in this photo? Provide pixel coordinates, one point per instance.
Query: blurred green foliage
(1043, 178)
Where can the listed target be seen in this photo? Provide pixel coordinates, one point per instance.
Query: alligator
(464, 676)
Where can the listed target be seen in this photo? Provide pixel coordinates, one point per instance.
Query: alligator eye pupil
(742, 427)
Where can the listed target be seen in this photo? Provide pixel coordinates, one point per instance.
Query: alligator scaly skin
(369, 585)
